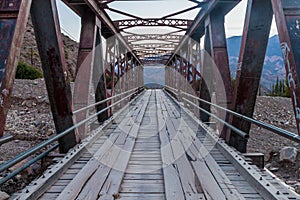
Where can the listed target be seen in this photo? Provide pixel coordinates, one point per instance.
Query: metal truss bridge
(118, 140)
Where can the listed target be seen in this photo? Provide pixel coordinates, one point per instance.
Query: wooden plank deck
(153, 151)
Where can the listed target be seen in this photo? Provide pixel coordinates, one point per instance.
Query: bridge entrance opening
(154, 76)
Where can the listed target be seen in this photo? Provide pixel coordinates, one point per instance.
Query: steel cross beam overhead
(153, 46)
(163, 37)
(175, 23)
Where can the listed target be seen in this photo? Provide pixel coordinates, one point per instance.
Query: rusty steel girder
(252, 54)
(196, 29)
(287, 16)
(50, 46)
(163, 37)
(153, 46)
(83, 80)
(218, 52)
(175, 23)
(13, 20)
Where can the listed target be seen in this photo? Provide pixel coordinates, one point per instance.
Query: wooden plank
(49, 196)
(173, 189)
(210, 171)
(186, 174)
(196, 148)
(107, 155)
(75, 186)
(143, 189)
(139, 196)
(143, 181)
(148, 176)
(116, 175)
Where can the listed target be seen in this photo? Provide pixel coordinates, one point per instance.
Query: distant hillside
(154, 75)
(153, 86)
(273, 65)
(30, 55)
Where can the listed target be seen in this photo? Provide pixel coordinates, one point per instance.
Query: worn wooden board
(107, 154)
(173, 189)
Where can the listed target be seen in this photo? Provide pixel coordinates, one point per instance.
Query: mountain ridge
(273, 63)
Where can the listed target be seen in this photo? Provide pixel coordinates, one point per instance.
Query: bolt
(277, 192)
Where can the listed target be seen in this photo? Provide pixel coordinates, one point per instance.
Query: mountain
(154, 74)
(273, 64)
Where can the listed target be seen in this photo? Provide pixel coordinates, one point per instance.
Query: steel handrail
(103, 101)
(31, 151)
(238, 131)
(279, 131)
(26, 165)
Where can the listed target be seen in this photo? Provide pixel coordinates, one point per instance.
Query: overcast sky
(70, 22)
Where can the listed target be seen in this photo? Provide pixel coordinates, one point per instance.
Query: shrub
(25, 71)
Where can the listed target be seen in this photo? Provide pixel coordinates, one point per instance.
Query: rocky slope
(30, 55)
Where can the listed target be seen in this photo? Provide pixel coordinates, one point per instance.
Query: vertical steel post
(84, 69)
(287, 15)
(13, 20)
(99, 77)
(221, 70)
(48, 35)
(252, 54)
(206, 80)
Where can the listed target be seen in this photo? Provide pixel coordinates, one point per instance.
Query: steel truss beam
(196, 29)
(287, 15)
(50, 45)
(175, 23)
(108, 28)
(83, 81)
(13, 20)
(153, 46)
(252, 53)
(162, 37)
(222, 77)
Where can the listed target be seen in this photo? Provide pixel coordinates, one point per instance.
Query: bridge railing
(274, 129)
(44, 144)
